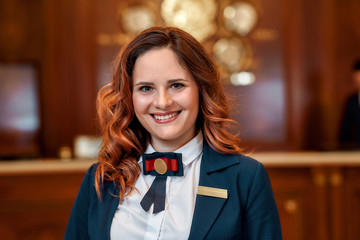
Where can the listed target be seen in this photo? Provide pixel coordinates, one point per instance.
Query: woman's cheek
(140, 102)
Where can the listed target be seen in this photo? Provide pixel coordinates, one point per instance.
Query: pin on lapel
(212, 192)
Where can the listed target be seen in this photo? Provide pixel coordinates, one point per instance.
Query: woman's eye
(177, 85)
(145, 88)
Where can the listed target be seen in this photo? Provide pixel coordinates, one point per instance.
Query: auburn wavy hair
(124, 138)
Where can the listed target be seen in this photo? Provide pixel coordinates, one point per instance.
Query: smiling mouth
(165, 117)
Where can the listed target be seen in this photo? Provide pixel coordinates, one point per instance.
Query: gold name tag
(212, 192)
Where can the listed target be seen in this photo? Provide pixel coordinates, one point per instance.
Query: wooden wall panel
(69, 74)
(292, 18)
(321, 42)
(21, 30)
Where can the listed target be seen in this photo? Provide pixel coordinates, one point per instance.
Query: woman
(168, 168)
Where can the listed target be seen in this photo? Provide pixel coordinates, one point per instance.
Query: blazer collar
(213, 161)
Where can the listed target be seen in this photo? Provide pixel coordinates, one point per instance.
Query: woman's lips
(165, 117)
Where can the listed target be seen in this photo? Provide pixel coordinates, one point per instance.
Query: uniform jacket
(249, 212)
(350, 129)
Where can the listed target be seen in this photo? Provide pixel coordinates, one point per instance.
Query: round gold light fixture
(193, 16)
(231, 53)
(240, 17)
(137, 18)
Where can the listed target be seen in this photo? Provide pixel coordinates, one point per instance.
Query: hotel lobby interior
(286, 66)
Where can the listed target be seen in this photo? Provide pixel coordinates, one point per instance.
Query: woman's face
(165, 98)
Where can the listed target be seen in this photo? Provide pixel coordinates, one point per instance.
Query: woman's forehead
(159, 64)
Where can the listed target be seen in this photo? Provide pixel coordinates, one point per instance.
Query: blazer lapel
(207, 208)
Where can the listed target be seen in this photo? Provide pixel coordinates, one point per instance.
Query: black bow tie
(160, 165)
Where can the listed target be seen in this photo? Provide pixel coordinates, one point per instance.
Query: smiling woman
(165, 124)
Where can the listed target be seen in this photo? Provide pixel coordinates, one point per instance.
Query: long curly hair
(124, 138)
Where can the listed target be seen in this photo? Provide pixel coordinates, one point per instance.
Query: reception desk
(317, 193)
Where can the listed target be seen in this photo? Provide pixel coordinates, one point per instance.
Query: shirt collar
(190, 151)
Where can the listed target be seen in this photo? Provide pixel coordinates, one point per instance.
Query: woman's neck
(164, 145)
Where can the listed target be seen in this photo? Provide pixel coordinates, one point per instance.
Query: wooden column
(69, 74)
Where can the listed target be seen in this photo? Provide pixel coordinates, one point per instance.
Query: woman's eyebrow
(144, 83)
(177, 80)
(169, 81)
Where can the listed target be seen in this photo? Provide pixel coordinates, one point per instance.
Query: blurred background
(288, 67)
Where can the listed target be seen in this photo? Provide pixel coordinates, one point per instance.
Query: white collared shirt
(132, 222)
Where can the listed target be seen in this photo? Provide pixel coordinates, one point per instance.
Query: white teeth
(166, 116)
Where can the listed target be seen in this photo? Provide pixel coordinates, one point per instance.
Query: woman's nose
(163, 100)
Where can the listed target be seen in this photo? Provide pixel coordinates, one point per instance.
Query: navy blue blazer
(249, 212)
(350, 129)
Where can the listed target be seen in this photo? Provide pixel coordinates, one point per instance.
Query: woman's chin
(166, 138)
(173, 138)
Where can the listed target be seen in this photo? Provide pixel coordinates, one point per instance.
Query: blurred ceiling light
(242, 78)
(240, 17)
(194, 16)
(231, 52)
(137, 18)
(229, 12)
(180, 19)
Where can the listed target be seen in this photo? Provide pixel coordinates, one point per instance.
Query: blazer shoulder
(247, 160)
(92, 168)
(215, 161)
(91, 172)
(247, 163)
(248, 166)
(238, 164)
